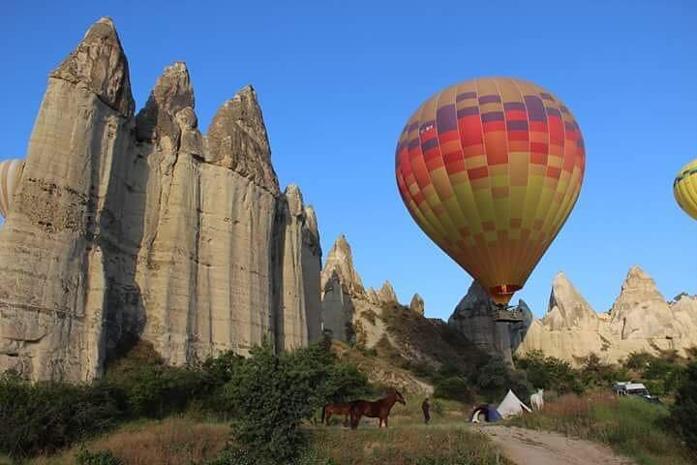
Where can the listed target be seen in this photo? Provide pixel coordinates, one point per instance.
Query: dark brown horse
(375, 409)
(336, 409)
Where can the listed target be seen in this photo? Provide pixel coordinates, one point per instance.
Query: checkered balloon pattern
(490, 170)
(685, 188)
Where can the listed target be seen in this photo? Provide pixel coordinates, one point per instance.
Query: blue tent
(488, 411)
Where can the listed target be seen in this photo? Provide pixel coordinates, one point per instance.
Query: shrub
(453, 388)
(272, 394)
(43, 417)
(102, 457)
(550, 373)
(684, 411)
(495, 378)
(595, 373)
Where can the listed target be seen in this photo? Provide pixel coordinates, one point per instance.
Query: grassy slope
(631, 427)
(185, 441)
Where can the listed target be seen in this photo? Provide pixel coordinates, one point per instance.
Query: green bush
(550, 373)
(684, 410)
(273, 393)
(495, 378)
(43, 417)
(453, 388)
(102, 457)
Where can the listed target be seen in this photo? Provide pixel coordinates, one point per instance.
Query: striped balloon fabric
(490, 170)
(685, 188)
(10, 173)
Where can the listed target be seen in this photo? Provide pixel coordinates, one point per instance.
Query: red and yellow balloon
(490, 170)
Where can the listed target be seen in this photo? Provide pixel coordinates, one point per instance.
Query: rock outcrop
(473, 317)
(417, 304)
(350, 312)
(639, 320)
(396, 335)
(132, 227)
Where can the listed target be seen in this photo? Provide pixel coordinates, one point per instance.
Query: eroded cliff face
(127, 227)
(639, 320)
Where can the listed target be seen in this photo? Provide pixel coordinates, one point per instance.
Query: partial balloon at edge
(685, 188)
(490, 170)
(10, 174)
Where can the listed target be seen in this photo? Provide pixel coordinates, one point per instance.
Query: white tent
(511, 405)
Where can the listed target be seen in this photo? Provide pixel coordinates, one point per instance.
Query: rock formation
(126, 227)
(417, 304)
(473, 318)
(395, 334)
(349, 310)
(639, 320)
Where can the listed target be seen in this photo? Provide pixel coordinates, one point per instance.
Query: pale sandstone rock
(640, 320)
(417, 304)
(387, 294)
(640, 311)
(65, 263)
(140, 227)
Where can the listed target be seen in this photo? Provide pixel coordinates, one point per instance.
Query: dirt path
(530, 447)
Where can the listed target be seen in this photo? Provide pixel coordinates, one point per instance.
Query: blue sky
(337, 81)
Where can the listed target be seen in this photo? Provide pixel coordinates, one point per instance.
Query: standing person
(426, 407)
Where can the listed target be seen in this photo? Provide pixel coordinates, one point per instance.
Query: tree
(684, 410)
(273, 393)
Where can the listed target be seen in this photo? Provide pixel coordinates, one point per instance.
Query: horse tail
(324, 408)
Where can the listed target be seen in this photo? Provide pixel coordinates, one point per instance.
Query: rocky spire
(295, 200)
(99, 63)
(640, 311)
(237, 139)
(417, 304)
(171, 99)
(340, 261)
(567, 307)
(637, 287)
(387, 294)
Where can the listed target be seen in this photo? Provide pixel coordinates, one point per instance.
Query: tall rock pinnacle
(99, 63)
(172, 94)
(237, 139)
(567, 307)
(340, 262)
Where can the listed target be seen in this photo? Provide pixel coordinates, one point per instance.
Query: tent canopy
(511, 405)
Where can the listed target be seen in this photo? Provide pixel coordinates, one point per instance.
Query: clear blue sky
(337, 81)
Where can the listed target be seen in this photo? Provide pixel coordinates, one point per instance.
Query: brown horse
(376, 409)
(338, 409)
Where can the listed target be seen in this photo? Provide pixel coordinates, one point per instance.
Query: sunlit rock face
(128, 227)
(640, 320)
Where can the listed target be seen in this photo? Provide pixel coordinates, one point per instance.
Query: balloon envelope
(490, 170)
(10, 172)
(685, 188)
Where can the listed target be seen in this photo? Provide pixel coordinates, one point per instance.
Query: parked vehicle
(630, 388)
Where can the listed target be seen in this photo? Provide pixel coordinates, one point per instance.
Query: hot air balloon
(10, 172)
(490, 170)
(685, 188)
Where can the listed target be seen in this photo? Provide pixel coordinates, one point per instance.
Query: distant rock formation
(639, 320)
(417, 304)
(473, 318)
(132, 226)
(346, 303)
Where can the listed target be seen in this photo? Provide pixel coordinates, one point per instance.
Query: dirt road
(530, 447)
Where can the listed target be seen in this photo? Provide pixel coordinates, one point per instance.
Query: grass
(173, 441)
(632, 427)
(189, 441)
(410, 445)
(447, 440)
